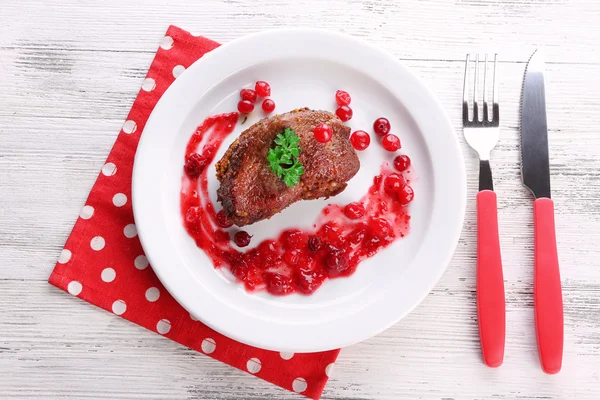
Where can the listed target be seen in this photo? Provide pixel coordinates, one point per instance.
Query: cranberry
(242, 238)
(292, 239)
(194, 165)
(263, 88)
(279, 284)
(268, 106)
(382, 126)
(292, 257)
(405, 195)
(266, 247)
(335, 262)
(390, 142)
(401, 163)
(248, 94)
(245, 106)
(358, 234)
(342, 98)
(331, 232)
(315, 243)
(222, 220)
(323, 133)
(354, 210)
(344, 113)
(393, 183)
(307, 263)
(381, 228)
(309, 281)
(268, 253)
(360, 140)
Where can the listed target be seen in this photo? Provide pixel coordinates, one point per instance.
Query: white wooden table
(68, 75)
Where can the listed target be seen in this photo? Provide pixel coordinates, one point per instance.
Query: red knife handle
(490, 281)
(547, 289)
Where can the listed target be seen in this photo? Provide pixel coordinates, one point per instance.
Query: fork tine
(495, 92)
(485, 102)
(466, 92)
(475, 85)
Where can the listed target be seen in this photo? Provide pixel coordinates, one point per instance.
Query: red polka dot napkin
(103, 261)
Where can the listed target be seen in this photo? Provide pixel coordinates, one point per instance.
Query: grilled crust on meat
(250, 191)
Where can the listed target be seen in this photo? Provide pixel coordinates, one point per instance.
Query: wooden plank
(71, 349)
(83, 84)
(435, 29)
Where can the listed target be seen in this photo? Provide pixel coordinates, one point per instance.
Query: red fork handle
(547, 290)
(490, 281)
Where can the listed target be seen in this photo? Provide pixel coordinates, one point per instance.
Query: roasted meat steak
(250, 191)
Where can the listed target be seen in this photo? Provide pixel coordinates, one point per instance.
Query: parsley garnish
(283, 158)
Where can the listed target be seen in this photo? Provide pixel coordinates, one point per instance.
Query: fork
(482, 135)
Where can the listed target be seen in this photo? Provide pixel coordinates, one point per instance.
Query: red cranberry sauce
(194, 193)
(298, 260)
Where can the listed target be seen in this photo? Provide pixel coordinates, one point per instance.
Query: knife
(535, 166)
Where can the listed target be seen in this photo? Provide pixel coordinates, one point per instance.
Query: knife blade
(534, 129)
(535, 167)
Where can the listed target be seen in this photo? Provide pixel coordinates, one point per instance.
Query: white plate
(305, 68)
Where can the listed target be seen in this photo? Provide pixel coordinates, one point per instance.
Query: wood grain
(69, 72)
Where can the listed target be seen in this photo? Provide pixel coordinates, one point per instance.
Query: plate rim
(167, 281)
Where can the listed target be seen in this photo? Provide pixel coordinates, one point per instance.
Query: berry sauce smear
(298, 260)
